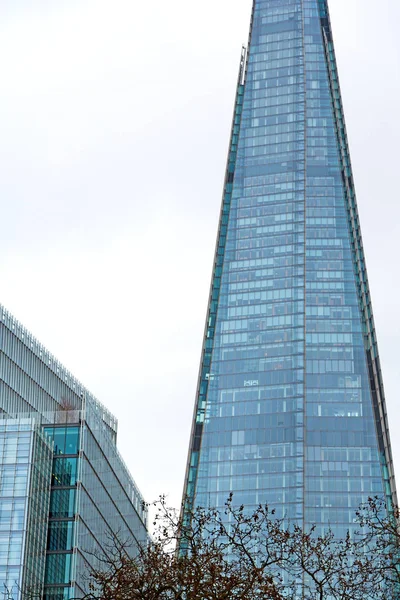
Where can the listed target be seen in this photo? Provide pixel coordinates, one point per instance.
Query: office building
(290, 407)
(64, 488)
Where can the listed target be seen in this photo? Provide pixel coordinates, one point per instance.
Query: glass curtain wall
(284, 411)
(25, 458)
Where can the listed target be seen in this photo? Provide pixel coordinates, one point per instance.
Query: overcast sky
(114, 127)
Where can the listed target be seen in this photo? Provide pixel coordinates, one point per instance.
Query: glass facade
(25, 457)
(63, 509)
(64, 488)
(290, 407)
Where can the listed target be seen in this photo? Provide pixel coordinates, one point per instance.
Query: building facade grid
(290, 407)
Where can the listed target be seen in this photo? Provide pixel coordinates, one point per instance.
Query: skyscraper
(64, 488)
(290, 407)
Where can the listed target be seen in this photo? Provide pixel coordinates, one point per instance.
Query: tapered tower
(290, 407)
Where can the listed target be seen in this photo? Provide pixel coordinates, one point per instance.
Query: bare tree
(380, 537)
(235, 554)
(181, 563)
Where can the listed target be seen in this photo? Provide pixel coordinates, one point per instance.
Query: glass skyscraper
(290, 408)
(64, 488)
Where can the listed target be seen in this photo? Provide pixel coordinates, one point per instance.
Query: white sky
(114, 126)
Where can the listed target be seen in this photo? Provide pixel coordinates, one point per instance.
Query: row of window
(265, 351)
(235, 428)
(273, 216)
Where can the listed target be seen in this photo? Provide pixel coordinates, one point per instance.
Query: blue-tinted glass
(62, 503)
(60, 536)
(66, 439)
(72, 440)
(59, 440)
(284, 406)
(58, 568)
(64, 471)
(58, 593)
(24, 504)
(31, 380)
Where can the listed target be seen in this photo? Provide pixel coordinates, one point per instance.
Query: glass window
(72, 440)
(59, 440)
(60, 535)
(62, 503)
(64, 471)
(58, 593)
(58, 568)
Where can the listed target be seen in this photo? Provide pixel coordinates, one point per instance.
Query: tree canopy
(235, 554)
